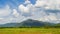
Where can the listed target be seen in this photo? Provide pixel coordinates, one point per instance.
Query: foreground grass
(30, 31)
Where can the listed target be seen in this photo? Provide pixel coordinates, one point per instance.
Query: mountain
(27, 23)
(35, 23)
(9, 25)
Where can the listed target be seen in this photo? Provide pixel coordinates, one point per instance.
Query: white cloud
(27, 2)
(48, 4)
(40, 3)
(5, 11)
(22, 8)
(15, 13)
(25, 9)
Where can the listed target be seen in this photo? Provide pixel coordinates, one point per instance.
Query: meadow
(29, 30)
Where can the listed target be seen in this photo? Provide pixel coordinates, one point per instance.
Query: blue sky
(20, 10)
(13, 3)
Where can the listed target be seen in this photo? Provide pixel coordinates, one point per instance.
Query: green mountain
(28, 23)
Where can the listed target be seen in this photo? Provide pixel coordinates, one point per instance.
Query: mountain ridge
(27, 23)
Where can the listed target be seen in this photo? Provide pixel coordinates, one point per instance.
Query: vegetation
(30, 31)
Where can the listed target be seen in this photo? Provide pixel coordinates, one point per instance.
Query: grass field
(30, 31)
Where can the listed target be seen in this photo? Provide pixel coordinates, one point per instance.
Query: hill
(27, 23)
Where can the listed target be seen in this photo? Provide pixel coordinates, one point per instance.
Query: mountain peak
(26, 23)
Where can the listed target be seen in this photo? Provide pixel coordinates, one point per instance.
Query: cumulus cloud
(15, 13)
(14, 18)
(40, 3)
(48, 4)
(23, 8)
(6, 11)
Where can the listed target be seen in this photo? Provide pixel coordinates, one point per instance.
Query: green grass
(30, 31)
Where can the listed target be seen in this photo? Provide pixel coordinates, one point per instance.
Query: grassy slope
(30, 31)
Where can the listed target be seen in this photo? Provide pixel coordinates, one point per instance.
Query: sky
(16, 11)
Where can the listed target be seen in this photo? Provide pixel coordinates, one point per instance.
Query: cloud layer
(39, 11)
(42, 10)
